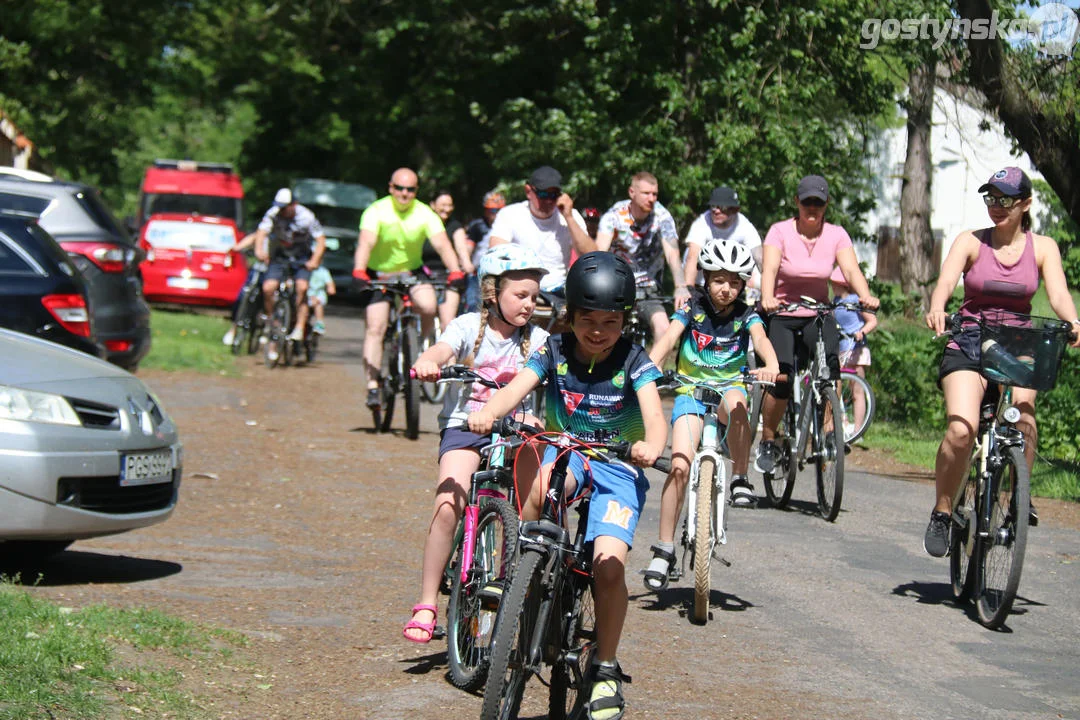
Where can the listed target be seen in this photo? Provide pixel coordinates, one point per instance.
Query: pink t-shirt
(805, 267)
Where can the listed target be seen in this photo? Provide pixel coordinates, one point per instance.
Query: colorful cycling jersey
(291, 237)
(640, 243)
(713, 346)
(597, 404)
(399, 236)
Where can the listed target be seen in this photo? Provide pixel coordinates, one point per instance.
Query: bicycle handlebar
(461, 373)
(609, 452)
(672, 379)
(823, 307)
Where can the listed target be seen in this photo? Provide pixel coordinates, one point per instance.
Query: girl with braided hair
(494, 342)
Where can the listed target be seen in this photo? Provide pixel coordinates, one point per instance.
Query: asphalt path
(856, 611)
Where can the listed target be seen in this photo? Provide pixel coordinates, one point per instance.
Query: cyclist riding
(547, 224)
(289, 234)
(798, 257)
(392, 234)
(642, 232)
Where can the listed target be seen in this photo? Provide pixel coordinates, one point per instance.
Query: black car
(41, 292)
(101, 249)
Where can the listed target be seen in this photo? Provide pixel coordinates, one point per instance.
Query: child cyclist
(496, 342)
(854, 326)
(712, 333)
(320, 286)
(600, 388)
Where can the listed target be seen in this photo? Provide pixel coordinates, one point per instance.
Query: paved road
(855, 610)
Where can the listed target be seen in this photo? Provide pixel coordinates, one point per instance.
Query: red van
(189, 219)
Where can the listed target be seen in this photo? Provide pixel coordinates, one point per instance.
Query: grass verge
(917, 446)
(100, 662)
(189, 341)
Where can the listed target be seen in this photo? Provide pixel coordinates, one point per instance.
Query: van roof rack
(192, 165)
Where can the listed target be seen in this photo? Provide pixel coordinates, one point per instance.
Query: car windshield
(180, 235)
(211, 205)
(338, 217)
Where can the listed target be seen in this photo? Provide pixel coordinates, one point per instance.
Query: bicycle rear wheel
(1000, 558)
(703, 540)
(473, 602)
(780, 482)
(569, 692)
(850, 385)
(829, 454)
(515, 625)
(280, 322)
(433, 392)
(754, 406)
(255, 333)
(410, 341)
(963, 539)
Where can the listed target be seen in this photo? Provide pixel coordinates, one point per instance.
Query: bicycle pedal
(847, 448)
(438, 632)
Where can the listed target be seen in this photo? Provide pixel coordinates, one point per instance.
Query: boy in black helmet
(601, 388)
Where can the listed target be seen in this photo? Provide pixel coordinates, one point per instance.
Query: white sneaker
(849, 430)
(272, 354)
(297, 335)
(229, 337)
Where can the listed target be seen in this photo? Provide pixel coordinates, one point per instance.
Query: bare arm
(428, 365)
(690, 270)
(317, 253)
(603, 240)
(644, 453)
(671, 255)
(363, 249)
(662, 347)
(262, 252)
(770, 266)
(461, 246)
(962, 251)
(1057, 291)
(442, 245)
(764, 347)
(578, 235)
(849, 266)
(504, 401)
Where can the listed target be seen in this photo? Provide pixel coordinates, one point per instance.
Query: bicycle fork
(710, 444)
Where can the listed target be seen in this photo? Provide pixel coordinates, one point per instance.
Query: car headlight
(32, 406)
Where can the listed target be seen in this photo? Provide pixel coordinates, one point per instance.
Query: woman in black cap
(1001, 266)
(798, 257)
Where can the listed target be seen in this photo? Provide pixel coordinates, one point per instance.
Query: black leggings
(784, 330)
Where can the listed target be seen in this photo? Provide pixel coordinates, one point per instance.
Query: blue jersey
(597, 404)
(713, 346)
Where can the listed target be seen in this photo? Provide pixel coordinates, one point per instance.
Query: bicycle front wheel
(389, 382)
(829, 454)
(703, 539)
(410, 341)
(781, 481)
(280, 322)
(569, 692)
(962, 541)
(1001, 554)
(854, 391)
(511, 666)
(474, 601)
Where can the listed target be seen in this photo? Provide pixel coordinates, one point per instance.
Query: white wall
(963, 156)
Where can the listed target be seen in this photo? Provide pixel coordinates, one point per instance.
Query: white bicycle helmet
(507, 258)
(726, 255)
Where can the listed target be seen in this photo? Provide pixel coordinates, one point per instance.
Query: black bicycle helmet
(600, 281)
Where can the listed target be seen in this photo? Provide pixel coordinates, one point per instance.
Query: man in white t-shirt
(642, 232)
(722, 221)
(547, 224)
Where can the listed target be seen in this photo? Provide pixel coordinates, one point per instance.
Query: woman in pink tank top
(1001, 266)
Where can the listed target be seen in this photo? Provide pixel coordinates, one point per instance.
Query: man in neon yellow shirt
(392, 234)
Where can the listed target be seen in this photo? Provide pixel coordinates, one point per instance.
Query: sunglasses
(812, 202)
(725, 210)
(404, 188)
(1005, 201)
(549, 194)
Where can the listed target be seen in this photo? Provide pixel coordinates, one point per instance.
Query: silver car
(85, 448)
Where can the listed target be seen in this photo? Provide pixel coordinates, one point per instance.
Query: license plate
(188, 283)
(146, 468)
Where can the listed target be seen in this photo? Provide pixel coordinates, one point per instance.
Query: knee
(959, 435)
(608, 571)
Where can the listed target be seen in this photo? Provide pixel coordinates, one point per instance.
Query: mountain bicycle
(991, 508)
(807, 431)
(433, 392)
(546, 616)
(484, 549)
(249, 313)
(705, 523)
(401, 347)
(279, 349)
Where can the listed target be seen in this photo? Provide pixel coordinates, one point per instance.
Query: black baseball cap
(545, 177)
(813, 186)
(724, 196)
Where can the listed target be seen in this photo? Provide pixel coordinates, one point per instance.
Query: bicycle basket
(1021, 350)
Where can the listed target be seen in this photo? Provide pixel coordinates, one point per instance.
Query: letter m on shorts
(616, 514)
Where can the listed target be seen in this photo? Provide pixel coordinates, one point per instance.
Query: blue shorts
(458, 438)
(276, 271)
(685, 404)
(618, 496)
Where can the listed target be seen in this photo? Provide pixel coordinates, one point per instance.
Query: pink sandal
(428, 627)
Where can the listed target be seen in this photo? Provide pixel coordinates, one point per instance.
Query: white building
(967, 146)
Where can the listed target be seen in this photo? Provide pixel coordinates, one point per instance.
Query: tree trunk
(1049, 138)
(916, 238)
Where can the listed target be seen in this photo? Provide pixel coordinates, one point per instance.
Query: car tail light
(70, 311)
(118, 345)
(108, 257)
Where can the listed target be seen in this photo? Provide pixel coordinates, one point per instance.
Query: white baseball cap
(283, 197)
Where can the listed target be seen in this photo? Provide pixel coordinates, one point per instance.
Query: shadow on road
(682, 598)
(78, 568)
